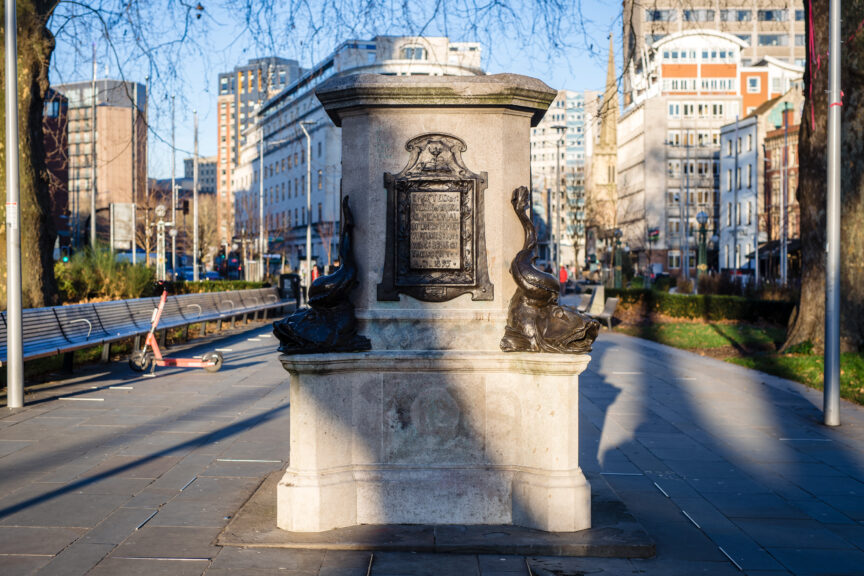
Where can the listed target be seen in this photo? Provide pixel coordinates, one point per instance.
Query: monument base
(437, 437)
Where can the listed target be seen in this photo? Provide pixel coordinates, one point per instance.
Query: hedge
(707, 307)
(181, 287)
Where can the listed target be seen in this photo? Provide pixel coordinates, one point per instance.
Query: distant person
(562, 279)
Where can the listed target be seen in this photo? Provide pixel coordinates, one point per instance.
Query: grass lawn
(754, 346)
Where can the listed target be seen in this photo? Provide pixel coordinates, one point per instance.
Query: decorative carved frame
(435, 165)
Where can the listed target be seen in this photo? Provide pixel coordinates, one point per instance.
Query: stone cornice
(345, 93)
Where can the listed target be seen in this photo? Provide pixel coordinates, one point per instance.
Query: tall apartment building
(208, 168)
(749, 202)
(669, 138)
(285, 147)
(767, 28)
(241, 93)
(120, 148)
(559, 145)
(55, 139)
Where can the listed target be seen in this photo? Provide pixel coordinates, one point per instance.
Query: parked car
(211, 275)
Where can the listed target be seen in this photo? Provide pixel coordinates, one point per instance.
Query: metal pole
(195, 203)
(557, 205)
(261, 210)
(783, 197)
(134, 166)
(685, 233)
(308, 205)
(759, 190)
(831, 400)
(14, 335)
(736, 180)
(93, 153)
(173, 194)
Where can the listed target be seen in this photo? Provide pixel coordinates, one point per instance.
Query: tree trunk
(35, 45)
(809, 322)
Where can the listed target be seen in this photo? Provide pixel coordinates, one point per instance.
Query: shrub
(647, 303)
(683, 285)
(96, 275)
(181, 287)
(663, 283)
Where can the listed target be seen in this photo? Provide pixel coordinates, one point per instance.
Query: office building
(207, 170)
(120, 131)
(766, 28)
(55, 116)
(241, 93)
(669, 140)
(559, 146)
(749, 202)
(284, 163)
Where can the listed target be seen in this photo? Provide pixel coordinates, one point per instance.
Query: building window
(754, 85)
(728, 214)
(320, 180)
(749, 217)
(413, 53)
(799, 15)
(673, 259)
(660, 15)
(773, 15)
(736, 15)
(749, 176)
(674, 226)
(773, 40)
(745, 37)
(699, 15)
(319, 149)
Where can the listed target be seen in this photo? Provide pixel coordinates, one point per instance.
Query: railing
(61, 329)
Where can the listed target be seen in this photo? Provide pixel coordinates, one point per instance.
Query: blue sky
(221, 41)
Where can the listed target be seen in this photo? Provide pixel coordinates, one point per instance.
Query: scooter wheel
(215, 358)
(140, 361)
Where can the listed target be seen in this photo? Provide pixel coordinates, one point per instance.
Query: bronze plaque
(435, 231)
(436, 248)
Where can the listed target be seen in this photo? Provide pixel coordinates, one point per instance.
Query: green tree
(809, 322)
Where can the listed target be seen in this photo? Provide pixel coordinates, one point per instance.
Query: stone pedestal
(397, 437)
(436, 425)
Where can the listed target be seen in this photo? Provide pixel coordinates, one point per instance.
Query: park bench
(608, 312)
(63, 329)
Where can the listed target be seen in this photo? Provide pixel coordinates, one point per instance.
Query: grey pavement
(728, 469)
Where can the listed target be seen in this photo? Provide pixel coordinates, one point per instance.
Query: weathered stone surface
(439, 437)
(379, 115)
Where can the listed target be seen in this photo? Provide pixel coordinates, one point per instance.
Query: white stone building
(669, 140)
(285, 163)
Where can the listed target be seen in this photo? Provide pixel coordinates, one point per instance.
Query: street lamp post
(702, 264)
(261, 209)
(303, 125)
(558, 141)
(618, 258)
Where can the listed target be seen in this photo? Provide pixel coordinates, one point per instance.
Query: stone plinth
(436, 425)
(438, 437)
(379, 115)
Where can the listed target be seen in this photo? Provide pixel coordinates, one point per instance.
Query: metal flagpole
(784, 196)
(93, 154)
(134, 171)
(195, 204)
(14, 337)
(173, 195)
(831, 400)
(261, 208)
(303, 125)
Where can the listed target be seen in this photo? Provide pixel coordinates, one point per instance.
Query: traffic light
(64, 254)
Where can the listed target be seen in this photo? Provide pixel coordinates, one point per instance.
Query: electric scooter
(143, 359)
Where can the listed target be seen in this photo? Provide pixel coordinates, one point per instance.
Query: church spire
(609, 110)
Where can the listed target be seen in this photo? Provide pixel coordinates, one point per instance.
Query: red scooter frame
(141, 360)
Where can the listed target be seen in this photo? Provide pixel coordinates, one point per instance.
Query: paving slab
(614, 533)
(742, 452)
